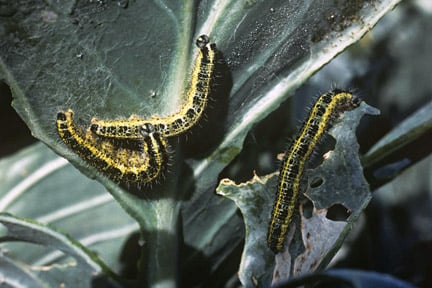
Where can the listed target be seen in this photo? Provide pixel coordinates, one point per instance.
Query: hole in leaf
(316, 182)
(307, 208)
(338, 212)
(325, 145)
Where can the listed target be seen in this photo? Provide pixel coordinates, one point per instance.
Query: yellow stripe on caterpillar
(141, 165)
(179, 122)
(326, 109)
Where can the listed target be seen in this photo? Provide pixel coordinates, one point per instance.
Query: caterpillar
(177, 123)
(141, 162)
(324, 112)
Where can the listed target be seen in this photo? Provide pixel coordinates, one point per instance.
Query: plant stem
(158, 266)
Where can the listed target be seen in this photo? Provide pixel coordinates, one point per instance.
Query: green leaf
(65, 199)
(406, 132)
(342, 182)
(85, 268)
(15, 274)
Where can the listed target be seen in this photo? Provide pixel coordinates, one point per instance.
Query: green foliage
(107, 60)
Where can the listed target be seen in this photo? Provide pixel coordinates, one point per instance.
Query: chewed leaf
(255, 200)
(338, 180)
(341, 172)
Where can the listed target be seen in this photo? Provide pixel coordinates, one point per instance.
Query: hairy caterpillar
(179, 122)
(139, 163)
(321, 117)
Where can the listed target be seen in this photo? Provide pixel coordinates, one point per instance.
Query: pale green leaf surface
(86, 265)
(342, 183)
(16, 274)
(64, 199)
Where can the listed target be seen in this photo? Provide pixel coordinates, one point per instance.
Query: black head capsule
(94, 128)
(61, 116)
(202, 41)
(356, 101)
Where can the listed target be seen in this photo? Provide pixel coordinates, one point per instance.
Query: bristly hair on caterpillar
(189, 114)
(140, 165)
(327, 108)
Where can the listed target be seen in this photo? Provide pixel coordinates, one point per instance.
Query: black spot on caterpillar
(179, 122)
(140, 165)
(326, 109)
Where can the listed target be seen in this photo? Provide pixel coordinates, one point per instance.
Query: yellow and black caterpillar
(141, 165)
(179, 122)
(321, 117)
(135, 151)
